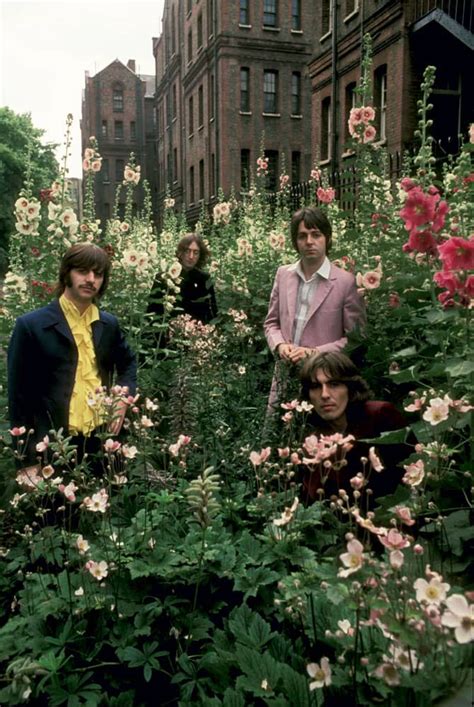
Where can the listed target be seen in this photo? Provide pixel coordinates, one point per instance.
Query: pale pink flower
(283, 452)
(89, 153)
(17, 431)
(315, 174)
(418, 549)
(414, 473)
(437, 411)
(346, 627)
(368, 114)
(129, 451)
(43, 445)
(416, 405)
(146, 422)
(258, 458)
(432, 592)
(86, 165)
(292, 405)
(394, 540)
(404, 514)
(287, 514)
(396, 559)
(284, 179)
(460, 616)
(369, 133)
(356, 117)
(325, 195)
(353, 559)
(404, 658)
(129, 174)
(287, 417)
(375, 460)
(82, 545)
(28, 478)
(99, 570)
(357, 482)
(96, 165)
(371, 279)
(295, 458)
(98, 503)
(69, 491)
(320, 672)
(120, 479)
(111, 445)
(368, 523)
(47, 471)
(21, 204)
(388, 673)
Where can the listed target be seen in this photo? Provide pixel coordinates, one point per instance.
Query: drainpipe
(216, 106)
(334, 91)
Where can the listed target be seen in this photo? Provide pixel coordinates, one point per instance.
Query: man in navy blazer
(44, 358)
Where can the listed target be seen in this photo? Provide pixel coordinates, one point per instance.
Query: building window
(191, 185)
(244, 13)
(271, 179)
(380, 101)
(244, 89)
(175, 164)
(201, 179)
(210, 17)
(119, 170)
(173, 102)
(117, 99)
(211, 97)
(326, 19)
(200, 106)
(105, 129)
(191, 115)
(190, 46)
(105, 171)
(296, 93)
(118, 130)
(270, 91)
(133, 131)
(213, 174)
(350, 102)
(173, 31)
(270, 13)
(296, 15)
(326, 129)
(295, 167)
(199, 31)
(244, 170)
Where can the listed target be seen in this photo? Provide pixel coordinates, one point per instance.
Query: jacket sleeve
(353, 314)
(20, 380)
(125, 362)
(272, 323)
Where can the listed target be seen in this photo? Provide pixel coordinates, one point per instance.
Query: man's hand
(298, 353)
(284, 351)
(116, 425)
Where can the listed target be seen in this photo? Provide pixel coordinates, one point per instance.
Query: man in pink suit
(313, 304)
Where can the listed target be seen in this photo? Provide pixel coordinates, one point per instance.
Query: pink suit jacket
(336, 309)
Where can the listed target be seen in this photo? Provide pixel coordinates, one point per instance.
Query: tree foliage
(21, 152)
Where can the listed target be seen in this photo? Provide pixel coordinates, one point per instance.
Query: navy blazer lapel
(97, 330)
(54, 317)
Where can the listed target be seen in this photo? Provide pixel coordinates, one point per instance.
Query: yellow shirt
(83, 417)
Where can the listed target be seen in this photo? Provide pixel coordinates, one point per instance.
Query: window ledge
(199, 49)
(351, 15)
(296, 31)
(296, 116)
(201, 127)
(211, 119)
(267, 28)
(245, 26)
(245, 112)
(325, 36)
(191, 135)
(271, 115)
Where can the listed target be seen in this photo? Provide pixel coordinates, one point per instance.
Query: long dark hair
(83, 256)
(186, 241)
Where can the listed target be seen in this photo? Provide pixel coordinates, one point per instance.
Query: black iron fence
(462, 11)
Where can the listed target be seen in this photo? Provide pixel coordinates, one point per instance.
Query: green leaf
(254, 579)
(459, 367)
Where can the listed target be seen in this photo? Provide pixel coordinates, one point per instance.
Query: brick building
(228, 72)
(117, 107)
(407, 36)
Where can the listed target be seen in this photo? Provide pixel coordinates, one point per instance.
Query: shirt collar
(323, 271)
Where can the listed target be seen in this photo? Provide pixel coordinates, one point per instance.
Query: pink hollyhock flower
(369, 133)
(460, 617)
(407, 184)
(284, 179)
(422, 241)
(371, 279)
(356, 116)
(325, 195)
(449, 280)
(258, 458)
(394, 540)
(96, 165)
(419, 208)
(368, 114)
(353, 559)
(394, 300)
(315, 174)
(432, 592)
(457, 253)
(375, 460)
(404, 514)
(440, 216)
(86, 165)
(320, 672)
(414, 473)
(437, 411)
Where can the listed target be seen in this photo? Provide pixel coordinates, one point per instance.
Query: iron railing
(462, 11)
